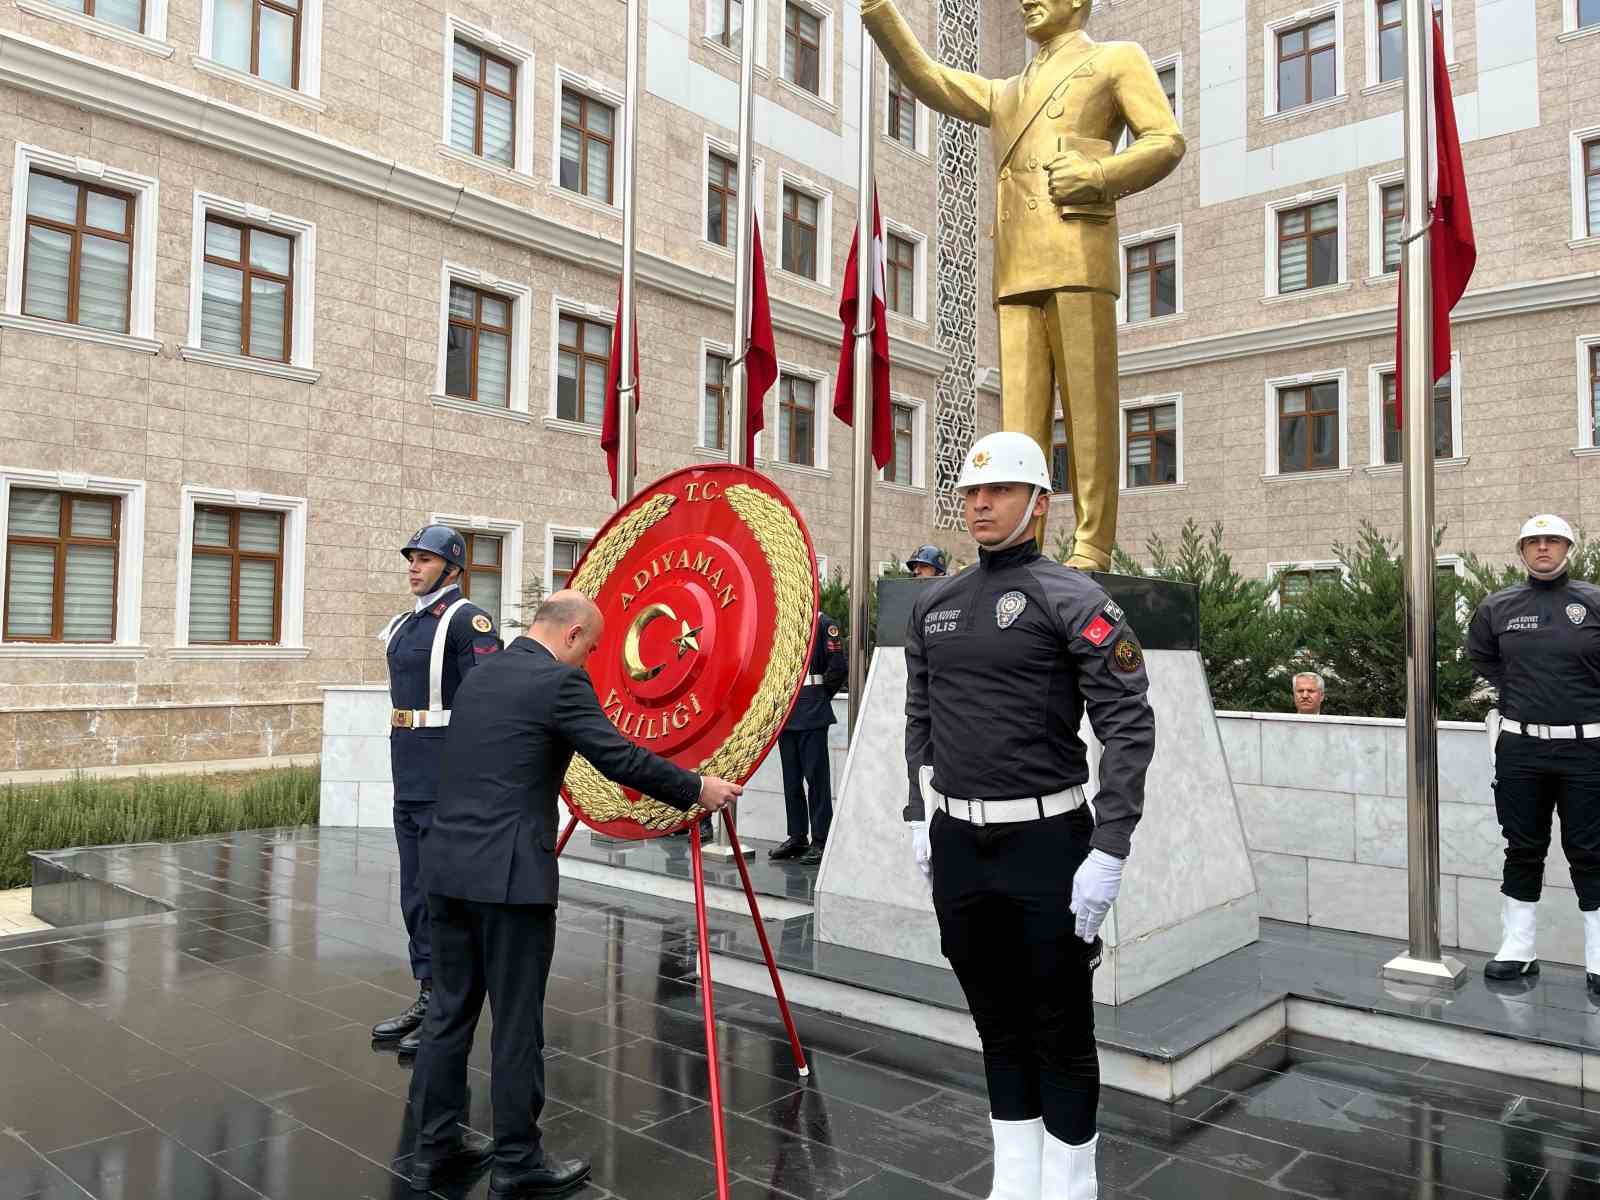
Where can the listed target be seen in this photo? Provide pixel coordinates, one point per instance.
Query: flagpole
(1424, 961)
(861, 477)
(628, 368)
(744, 223)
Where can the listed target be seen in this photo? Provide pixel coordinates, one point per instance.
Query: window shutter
(258, 599)
(89, 596)
(30, 591)
(209, 598)
(104, 272)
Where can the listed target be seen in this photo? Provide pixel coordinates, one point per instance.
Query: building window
(259, 37)
(800, 213)
(1060, 459)
(725, 22)
(478, 346)
(1393, 197)
(1308, 246)
(1391, 40)
(1443, 427)
(247, 291)
(125, 14)
(715, 409)
(587, 127)
(1591, 185)
(902, 458)
(1168, 76)
(583, 357)
(1594, 393)
(236, 577)
(1294, 586)
(1307, 63)
(483, 104)
(1588, 13)
(78, 256)
(61, 566)
(902, 122)
(1152, 441)
(802, 48)
(1152, 287)
(480, 582)
(722, 198)
(902, 275)
(797, 409)
(565, 552)
(1308, 427)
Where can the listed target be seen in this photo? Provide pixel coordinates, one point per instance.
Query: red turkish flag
(1453, 250)
(611, 422)
(761, 351)
(844, 389)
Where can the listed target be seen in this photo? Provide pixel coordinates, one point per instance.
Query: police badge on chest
(1008, 608)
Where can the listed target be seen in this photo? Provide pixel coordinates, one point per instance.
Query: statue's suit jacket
(1085, 92)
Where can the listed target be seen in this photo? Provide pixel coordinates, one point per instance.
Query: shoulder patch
(1113, 611)
(1127, 655)
(482, 623)
(1097, 630)
(833, 631)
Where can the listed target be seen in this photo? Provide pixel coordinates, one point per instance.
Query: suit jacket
(518, 719)
(1085, 93)
(813, 708)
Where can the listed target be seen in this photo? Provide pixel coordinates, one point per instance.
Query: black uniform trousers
(1534, 779)
(411, 825)
(807, 782)
(1003, 896)
(502, 951)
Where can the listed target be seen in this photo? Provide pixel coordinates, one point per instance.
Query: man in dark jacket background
(490, 871)
(803, 749)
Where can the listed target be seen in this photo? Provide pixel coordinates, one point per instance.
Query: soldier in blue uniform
(803, 749)
(430, 648)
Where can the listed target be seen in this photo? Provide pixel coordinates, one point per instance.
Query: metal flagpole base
(1447, 972)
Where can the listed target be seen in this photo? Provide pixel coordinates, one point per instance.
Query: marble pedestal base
(1189, 893)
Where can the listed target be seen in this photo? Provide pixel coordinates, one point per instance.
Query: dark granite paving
(220, 1050)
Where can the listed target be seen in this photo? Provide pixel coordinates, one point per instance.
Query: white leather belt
(813, 681)
(1006, 812)
(419, 718)
(1565, 733)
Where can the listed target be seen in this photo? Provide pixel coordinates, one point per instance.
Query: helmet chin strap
(1554, 572)
(1019, 533)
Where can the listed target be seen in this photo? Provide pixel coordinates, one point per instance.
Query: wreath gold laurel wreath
(781, 540)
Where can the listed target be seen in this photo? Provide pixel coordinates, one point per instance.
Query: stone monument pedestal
(1189, 893)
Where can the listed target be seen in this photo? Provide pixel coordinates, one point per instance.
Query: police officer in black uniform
(430, 648)
(928, 562)
(803, 749)
(1538, 642)
(1001, 662)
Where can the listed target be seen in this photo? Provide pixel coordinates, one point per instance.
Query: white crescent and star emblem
(1008, 608)
(1576, 613)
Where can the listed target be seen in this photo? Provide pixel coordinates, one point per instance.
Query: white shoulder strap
(392, 628)
(436, 659)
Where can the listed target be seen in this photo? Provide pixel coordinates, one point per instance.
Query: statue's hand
(1074, 179)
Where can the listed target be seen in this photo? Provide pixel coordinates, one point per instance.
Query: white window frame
(1569, 22)
(758, 171)
(822, 568)
(1269, 58)
(566, 532)
(1175, 61)
(919, 298)
(819, 425)
(1127, 403)
(709, 39)
(919, 127)
(141, 335)
(153, 38)
(1138, 239)
(510, 534)
(560, 305)
(307, 95)
(1375, 374)
(523, 59)
(1306, 200)
(824, 198)
(521, 296)
(130, 561)
(1370, 35)
(303, 316)
(824, 14)
(919, 441)
(292, 584)
(1271, 429)
(606, 92)
(1375, 186)
(702, 443)
(1580, 200)
(1586, 443)
(1309, 564)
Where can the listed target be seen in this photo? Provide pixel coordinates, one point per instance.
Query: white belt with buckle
(419, 718)
(813, 681)
(1565, 733)
(1006, 812)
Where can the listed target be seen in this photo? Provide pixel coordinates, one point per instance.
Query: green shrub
(101, 812)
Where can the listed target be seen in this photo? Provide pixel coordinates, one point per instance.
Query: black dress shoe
(1512, 968)
(399, 1026)
(790, 848)
(812, 857)
(461, 1159)
(556, 1176)
(411, 1043)
(1594, 985)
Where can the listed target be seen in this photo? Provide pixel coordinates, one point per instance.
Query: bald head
(568, 624)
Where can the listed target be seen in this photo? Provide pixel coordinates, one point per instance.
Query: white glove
(1094, 888)
(922, 848)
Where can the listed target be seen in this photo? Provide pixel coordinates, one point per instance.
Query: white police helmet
(1546, 525)
(1004, 458)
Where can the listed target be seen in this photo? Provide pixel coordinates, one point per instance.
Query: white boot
(1069, 1170)
(1516, 956)
(1017, 1149)
(1591, 950)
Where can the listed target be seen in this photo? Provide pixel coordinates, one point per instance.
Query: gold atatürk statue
(1057, 272)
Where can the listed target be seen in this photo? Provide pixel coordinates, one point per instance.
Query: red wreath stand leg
(719, 1138)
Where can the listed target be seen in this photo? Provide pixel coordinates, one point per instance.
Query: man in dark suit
(490, 871)
(803, 749)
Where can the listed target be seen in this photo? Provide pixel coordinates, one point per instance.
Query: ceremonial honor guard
(803, 749)
(430, 649)
(1001, 661)
(927, 563)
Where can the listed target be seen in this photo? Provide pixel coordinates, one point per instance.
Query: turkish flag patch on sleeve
(1097, 630)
